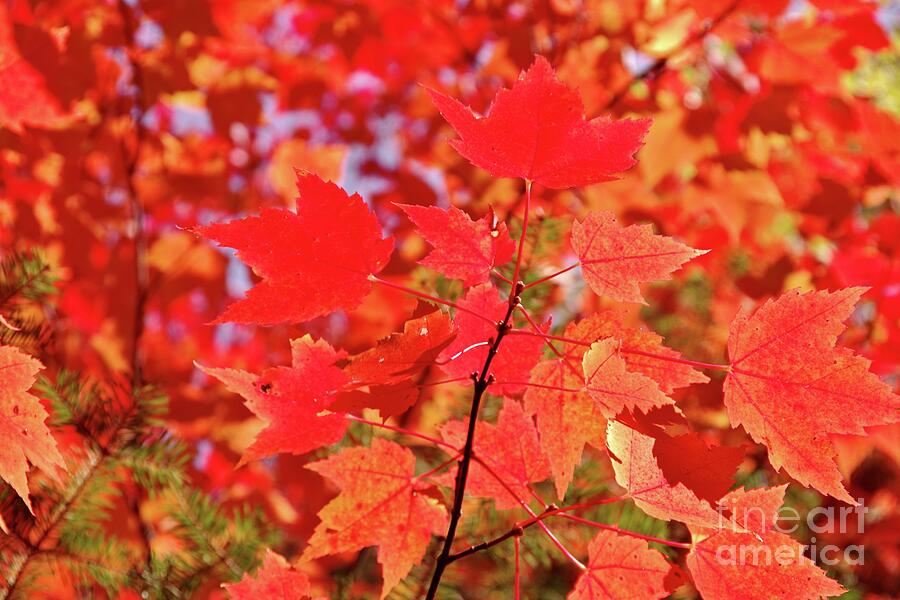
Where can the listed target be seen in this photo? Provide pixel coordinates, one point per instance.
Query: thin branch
(673, 359)
(682, 361)
(543, 386)
(501, 276)
(640, 536)
(520, 527)
(552, 275)
(442, 382)
(131, 160)
(527, 508)
(553, 511)
(24, 284)
(138, 217)
(439, 467)
(515, 532)
(482, 381)
(550, 336)
(408, 432)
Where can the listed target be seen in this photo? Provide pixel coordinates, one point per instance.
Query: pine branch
(24, 275)
(14, 578)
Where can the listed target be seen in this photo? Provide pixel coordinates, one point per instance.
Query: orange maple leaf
(621, 567)
(509, 448)
(22, 428)
(381, 505)
(756, 562)
(790, 387)
(615, 259)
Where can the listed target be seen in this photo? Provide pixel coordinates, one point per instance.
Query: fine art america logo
(788, 520)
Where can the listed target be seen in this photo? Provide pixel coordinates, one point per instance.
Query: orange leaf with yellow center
(613, 387)
(636, 344)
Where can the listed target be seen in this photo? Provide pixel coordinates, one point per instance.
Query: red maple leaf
(381, 505)
(615, 259)
(621, 567)
(537, 131)
(757, 562)
(516, 355)
(510, 448)
(25, 436)
(463, 248)
(308, 266)
(293, 401)
(790, 387)
(274, 580)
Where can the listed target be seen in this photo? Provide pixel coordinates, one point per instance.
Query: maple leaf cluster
(487, 299)
(786, 382)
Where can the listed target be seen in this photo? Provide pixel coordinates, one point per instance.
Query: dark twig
(482, 381)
